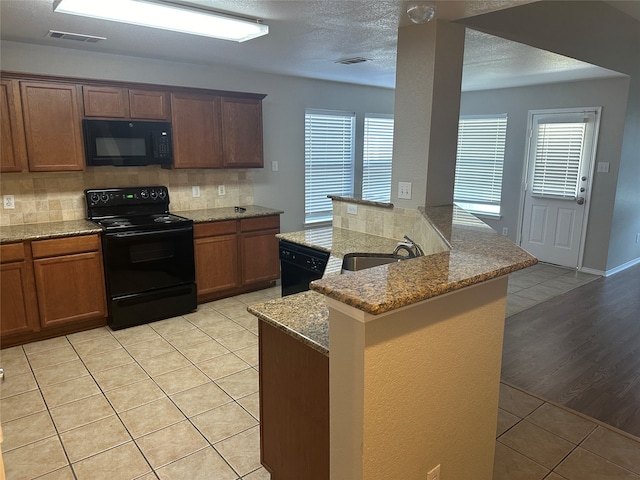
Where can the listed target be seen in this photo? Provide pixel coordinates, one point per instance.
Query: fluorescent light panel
(166, 17)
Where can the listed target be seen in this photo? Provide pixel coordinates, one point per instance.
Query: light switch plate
(352, 209)
(404, 190)
(195, 191)
(221, 190)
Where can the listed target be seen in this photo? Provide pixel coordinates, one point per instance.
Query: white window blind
(328, 160)
(376, 157)
(558, 155)
(479, 163)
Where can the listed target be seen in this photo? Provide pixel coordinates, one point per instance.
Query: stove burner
(116, 222)
(165, 219)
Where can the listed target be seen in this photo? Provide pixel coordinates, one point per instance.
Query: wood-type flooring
(582, 349)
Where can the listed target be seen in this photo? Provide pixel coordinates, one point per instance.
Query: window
(328, 161)
(479, 163)
(376, 157)
(558, 157)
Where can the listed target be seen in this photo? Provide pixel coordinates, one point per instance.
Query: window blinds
(328, 160)
(376, 157)
(558, 155)
(479, 162)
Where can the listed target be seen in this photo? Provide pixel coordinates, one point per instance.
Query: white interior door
(558, 180)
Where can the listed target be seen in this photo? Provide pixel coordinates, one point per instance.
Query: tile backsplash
(52, 197)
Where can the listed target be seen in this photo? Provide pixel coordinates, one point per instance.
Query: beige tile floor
(178, 399)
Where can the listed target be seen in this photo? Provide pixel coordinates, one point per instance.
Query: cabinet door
(216, 263)
(109, 102)
(14, 148)
(260, 260)
(242, 132)
(149, 105)
(53, 126)
(196, 131)
(70, 288)
(19, 312)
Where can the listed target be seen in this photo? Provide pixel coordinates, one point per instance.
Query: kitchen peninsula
(403, 359)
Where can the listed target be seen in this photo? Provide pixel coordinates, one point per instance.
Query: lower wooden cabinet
(294, 407)
(19, 311)
(216, 256)
(53, 287)
(234, 256)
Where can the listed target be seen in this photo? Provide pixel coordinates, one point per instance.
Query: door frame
(591, 169)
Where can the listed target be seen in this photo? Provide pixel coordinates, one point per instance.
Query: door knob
(580, 200)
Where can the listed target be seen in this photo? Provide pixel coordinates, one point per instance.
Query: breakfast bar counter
(413, 348)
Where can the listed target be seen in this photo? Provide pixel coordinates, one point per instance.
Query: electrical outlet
(434, 473)
(505, 231)
(404, 190)
(274, 166)
(603, 167)
(195, 191)
(8, 202)
(221, 190)
(352, 209)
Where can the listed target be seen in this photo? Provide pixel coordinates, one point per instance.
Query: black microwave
(127, 143)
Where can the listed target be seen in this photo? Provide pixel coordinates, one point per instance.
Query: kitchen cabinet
(69, 280)
(53, 126)
(211, 131)
(294, 406)
(14, 149)
(125, 103)
(216, 256)
(197, 133)
(19, 312)
(235, 256)
(259, 252)
(242, 132)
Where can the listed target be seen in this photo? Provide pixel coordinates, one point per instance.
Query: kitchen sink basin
(353, 262)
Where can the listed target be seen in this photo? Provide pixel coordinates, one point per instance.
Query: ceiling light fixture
(166, 16)
(421, 12)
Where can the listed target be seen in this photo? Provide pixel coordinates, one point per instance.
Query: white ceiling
(307, 37)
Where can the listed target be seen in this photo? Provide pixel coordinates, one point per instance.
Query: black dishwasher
(299, 266)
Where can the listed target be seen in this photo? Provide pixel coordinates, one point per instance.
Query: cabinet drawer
(260, 223)
(211, 229)
(12, 252)
(65, 246)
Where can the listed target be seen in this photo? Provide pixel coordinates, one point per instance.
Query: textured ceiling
(306, 38)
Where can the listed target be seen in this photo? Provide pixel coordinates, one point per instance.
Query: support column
(417, 387)
(427, 108)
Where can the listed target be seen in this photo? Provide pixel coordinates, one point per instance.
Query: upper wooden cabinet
(197, 133)
(53, 126)
(125, 103)
(242, 132)
(14, 149)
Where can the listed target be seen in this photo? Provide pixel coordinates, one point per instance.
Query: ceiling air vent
(78, 37)
(352, 61)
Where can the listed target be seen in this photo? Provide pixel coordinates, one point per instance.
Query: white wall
(283, 108)
(611, 94)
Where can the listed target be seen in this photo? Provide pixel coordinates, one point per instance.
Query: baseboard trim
(613, 271)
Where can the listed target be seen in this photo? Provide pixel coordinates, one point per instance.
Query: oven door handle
(149, 234)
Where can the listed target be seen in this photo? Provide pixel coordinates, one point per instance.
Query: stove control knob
(154, 194)
(94, 198)
(162, 194)
(144, 194)
(104, 197)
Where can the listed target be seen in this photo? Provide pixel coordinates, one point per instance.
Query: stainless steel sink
(353, 262)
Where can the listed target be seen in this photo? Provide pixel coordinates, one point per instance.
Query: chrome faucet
(412, 248)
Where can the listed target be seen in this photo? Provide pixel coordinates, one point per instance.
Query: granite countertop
(477, 254)
(39, 231)
(226, 213)
(304, 316)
